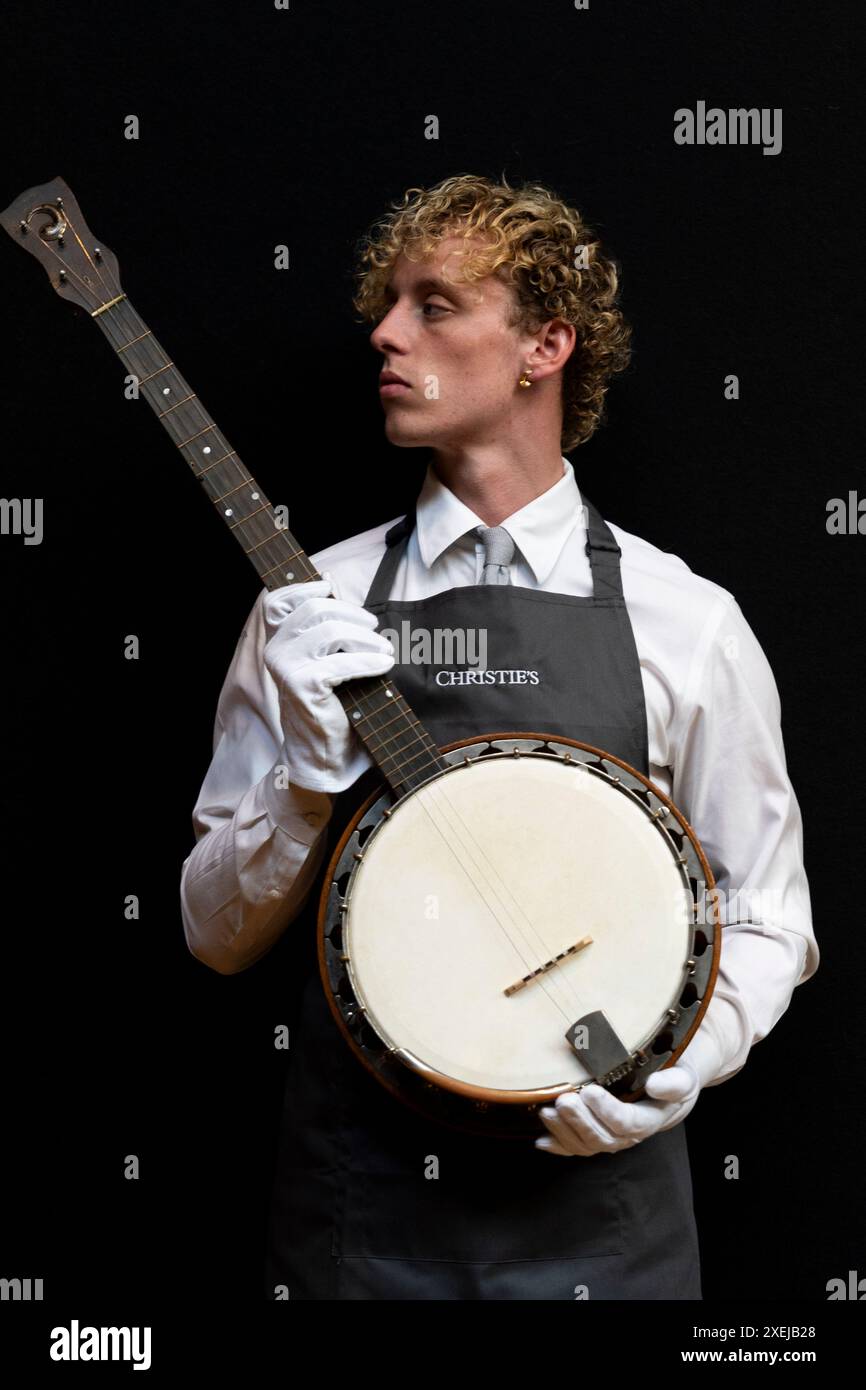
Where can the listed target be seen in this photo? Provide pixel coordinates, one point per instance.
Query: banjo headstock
(47, 222)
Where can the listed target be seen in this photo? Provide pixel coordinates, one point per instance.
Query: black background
(261, 127)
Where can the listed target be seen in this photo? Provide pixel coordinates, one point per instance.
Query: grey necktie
(498, 552)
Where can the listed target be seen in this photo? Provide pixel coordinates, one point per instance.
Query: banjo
(474, 963)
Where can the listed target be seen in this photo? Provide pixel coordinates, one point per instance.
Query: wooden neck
(393, 736)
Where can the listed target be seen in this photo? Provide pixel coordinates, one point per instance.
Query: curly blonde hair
(536, 243)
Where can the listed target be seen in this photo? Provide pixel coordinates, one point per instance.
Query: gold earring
(523, 380)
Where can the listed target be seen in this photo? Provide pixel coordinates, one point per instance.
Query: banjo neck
(47, 222)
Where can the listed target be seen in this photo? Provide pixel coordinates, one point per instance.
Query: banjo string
(111, 287)
(534, 962)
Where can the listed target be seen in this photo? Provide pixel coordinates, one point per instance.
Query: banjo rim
(472, 1092)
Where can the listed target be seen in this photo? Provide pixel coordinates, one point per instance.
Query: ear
(551, 348)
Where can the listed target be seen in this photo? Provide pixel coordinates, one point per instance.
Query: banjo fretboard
(47, 222)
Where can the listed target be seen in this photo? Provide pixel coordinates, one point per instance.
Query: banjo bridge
(548, 965)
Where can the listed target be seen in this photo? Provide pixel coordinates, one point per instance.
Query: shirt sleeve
(259, 841)
(731, 783)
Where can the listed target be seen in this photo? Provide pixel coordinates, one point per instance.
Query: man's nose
(389, 335)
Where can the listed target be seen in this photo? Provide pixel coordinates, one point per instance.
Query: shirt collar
(539, 530)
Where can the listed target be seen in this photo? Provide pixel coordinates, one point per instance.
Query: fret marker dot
(356, 714)
(166, 390)
(389, 693)
(255, 496)
(206, 449)
(290, 574)
(228, 511)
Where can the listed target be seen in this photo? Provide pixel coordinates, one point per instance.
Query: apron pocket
(567, 1208)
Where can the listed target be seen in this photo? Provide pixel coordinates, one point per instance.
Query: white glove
(593, 1121)
(306, 632)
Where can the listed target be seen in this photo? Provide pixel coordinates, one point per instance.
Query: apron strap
(383, 579)
(601, 549)
(603, 553)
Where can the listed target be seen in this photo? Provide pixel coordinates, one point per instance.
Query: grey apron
(353, 1213)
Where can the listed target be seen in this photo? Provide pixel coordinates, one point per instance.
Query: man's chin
(402, 436)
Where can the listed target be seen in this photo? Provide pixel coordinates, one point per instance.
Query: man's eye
(440, 307)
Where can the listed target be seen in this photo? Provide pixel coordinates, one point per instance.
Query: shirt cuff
(299, 812)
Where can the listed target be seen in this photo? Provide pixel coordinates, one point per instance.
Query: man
(498, 325)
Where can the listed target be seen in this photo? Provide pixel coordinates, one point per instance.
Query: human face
(449, 341)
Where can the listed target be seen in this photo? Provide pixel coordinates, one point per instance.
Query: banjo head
(523, 923)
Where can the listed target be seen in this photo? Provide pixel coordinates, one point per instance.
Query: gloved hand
(593, 1121)
(314, 642)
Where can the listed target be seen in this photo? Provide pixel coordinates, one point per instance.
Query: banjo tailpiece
(605, 1054)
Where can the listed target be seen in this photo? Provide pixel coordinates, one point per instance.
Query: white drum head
(486, 873)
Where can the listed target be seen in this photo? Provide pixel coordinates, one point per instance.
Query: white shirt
(715, 747)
